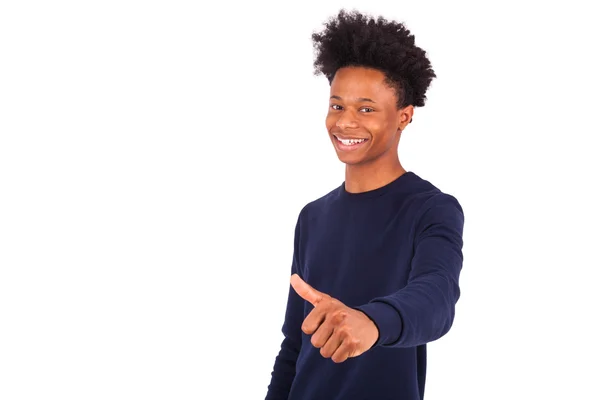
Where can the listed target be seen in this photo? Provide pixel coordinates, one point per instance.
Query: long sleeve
(423, 311)
(284, 369)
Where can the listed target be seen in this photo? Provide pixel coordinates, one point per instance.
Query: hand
(338, 330)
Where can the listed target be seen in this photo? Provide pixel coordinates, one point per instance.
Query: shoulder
(436, 207)
(314, 208)
(425, 204)
(425, 195)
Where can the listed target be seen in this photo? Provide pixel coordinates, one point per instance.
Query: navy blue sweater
(394, 253)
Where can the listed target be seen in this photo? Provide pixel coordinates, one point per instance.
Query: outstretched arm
(423, 311)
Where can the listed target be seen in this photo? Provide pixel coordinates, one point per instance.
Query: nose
(346, 121)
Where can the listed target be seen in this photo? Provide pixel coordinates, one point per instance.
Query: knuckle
(340, 317)
(344, 332)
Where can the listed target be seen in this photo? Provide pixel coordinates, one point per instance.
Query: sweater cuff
(386, 318)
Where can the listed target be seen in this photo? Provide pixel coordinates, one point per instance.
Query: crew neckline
(374, 192)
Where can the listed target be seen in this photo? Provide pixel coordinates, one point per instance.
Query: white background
(154, 157)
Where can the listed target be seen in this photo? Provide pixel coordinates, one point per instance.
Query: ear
(405, 116)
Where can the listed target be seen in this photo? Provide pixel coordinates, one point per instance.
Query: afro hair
(354, 39)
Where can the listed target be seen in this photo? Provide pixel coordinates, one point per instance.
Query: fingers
(322, 335)
(329, 323)
(327, 309)
(344, 351)
(332, 345)
(330, 335)
(313, 320)
(306, 291)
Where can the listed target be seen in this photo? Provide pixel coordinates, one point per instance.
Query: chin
(350, 160)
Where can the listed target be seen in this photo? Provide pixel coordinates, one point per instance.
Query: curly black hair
(354, 39)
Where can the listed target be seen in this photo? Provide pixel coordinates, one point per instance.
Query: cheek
(382, 132)
(377, 129)
(330, 122)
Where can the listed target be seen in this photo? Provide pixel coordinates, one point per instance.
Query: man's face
(363, 121)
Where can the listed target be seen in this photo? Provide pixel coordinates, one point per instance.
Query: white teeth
(349, 142)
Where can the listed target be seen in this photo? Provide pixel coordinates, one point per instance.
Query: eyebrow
(360, 99)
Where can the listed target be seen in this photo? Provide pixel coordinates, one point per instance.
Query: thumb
(306, 291)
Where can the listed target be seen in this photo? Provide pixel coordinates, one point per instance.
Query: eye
(333, 106)
(367, 108)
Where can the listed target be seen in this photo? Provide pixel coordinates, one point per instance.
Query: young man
(377, 260)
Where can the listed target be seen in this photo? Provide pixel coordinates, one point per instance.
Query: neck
(373, 175)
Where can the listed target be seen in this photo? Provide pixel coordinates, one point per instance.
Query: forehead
(361, 82)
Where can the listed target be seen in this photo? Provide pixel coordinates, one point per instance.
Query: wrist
(386, 320)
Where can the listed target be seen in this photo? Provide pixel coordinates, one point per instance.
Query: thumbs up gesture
(338, 330)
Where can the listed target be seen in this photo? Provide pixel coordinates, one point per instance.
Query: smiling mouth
(349, 144)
